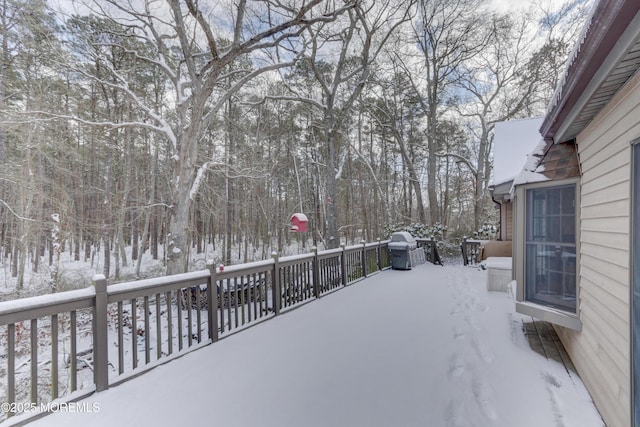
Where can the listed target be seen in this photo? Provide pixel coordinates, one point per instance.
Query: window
(550, 247)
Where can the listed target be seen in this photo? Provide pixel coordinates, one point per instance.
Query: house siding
(601, 351)
(506, 220)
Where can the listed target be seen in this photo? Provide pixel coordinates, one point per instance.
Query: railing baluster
(158, 328)
(297, 278)
(291, 280)
(242, 299)
(134, 333)
(235, 300)
(54, 356)
(147, 344)
(198, 313)
(169, 323)
(180, 296)
(276, 285)
(263, 292)
(298, 282)
(245, 298)
(321, 277)
(303, 268)
(222, 302)
(315, 275)
(34, 360)
(256, 289)
(11, 364)
(293, 285)
(73, 356)
(212, 303)
(309, 280)
(286, 287)
(229, 304)
(120, 340)
(189, 317)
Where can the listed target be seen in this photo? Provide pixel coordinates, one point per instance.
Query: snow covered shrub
(417, 230)
(488, 231)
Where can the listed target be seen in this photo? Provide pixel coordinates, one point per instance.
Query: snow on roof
(532, 170)
(513, 141)
(300, 216)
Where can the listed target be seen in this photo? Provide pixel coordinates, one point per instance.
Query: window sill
(550, 315)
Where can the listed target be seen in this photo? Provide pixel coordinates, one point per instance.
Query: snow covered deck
(425, 347)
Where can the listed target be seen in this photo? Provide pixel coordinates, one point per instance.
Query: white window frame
(634, 281)
(567, 319)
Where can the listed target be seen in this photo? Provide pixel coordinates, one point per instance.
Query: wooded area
(169, 126)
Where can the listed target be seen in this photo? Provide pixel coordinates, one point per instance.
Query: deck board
(544, 340)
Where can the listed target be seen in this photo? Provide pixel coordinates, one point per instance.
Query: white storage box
(498, 273)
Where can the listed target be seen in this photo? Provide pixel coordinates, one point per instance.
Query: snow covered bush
(488, 231)
(417, 230)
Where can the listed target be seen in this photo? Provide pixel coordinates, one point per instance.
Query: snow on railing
(70, 344)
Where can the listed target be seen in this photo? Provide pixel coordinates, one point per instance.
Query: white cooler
(498, 273)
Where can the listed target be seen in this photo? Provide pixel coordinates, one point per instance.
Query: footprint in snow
(482, 308)
(458, 333)
(472, 321)
(550, 379)
(556, 402)
(456, 416)
(484, 397)
(456, 366)
(482, 350)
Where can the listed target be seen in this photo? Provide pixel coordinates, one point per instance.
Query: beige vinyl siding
(600, 270)
(506, 220)
(509, 221)
(601, 351)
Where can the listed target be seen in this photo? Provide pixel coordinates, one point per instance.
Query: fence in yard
(61, 347)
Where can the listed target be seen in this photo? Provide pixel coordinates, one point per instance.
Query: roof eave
(608, 23)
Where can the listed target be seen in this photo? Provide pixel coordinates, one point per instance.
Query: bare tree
(449, 33)
(398, 109)
(340, 62)
(193, 51)
(513, 76)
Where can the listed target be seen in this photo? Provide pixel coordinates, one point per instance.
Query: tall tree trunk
(333, 236)
(230, 156)
(413, 177)
(480, 180)
(432, 169)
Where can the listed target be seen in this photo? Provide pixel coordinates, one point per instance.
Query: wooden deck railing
(64, 346)
(430, 248)
(471, 251)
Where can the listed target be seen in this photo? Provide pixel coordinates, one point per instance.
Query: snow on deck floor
(426, 347)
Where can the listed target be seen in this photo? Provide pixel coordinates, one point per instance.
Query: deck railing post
(100, 340)
(316, 272)
(212, 302)
(276, 291)
(343, 265)
(364, 258)
(463, 248)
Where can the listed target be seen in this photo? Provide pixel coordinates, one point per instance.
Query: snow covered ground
(426, 347)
